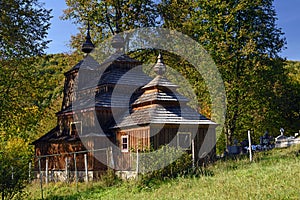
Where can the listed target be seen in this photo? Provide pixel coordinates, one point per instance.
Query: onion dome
(118, 40)
(88, 46)
(160, 67)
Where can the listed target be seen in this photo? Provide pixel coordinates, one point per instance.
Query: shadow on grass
(70, 197)
(76, 196)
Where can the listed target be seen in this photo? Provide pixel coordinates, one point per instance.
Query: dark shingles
(162, 115)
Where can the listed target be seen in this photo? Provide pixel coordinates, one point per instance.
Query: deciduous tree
(23, 29)
(243, 39)
(106, 16)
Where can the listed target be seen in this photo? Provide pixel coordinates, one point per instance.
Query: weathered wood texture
(116, 99)
(96, 160)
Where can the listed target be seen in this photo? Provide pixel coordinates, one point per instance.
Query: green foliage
(14, 159)
(23, 28)
(221, 144)
(290, 98)
(109, 178)
(104, 16)
(165, 163)
(244, 41)
(29, 91)
(273, 175)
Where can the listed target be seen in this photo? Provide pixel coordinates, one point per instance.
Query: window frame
(122, 143)
(79, 132)
(189, 142)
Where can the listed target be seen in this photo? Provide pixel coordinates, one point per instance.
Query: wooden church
(117, 109)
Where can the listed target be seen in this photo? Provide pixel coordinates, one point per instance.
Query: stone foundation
(125, 175)
(63, 176)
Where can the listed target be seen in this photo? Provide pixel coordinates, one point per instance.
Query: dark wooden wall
(139, 138)
(96, 160)
(158, 135)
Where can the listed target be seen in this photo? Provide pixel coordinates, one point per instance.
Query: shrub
(14, 158)
(109, 178)
(165, 163)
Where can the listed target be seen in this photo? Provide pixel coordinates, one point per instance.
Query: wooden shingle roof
(160, 103)
(159, 96)
(159, 114)
(160, 81)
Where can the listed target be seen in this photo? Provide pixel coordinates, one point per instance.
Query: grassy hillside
(273, 175)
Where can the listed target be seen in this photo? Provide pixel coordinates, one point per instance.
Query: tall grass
(272, 175)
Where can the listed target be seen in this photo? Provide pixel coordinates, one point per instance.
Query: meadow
(272, 175)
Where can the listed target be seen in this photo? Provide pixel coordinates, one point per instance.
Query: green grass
(272, 175)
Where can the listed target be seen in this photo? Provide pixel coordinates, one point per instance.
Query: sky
(288, 14)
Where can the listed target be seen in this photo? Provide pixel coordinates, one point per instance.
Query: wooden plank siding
(139, 138)
(57, 162)
(208, 150)
(167, 135)
(157, 135)
(96, 160)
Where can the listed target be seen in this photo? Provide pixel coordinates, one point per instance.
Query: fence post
(193, 153)
(66, 169)
(107, 158)
(250, 146)
(86, 168)
(47, 177)
(75, 168)
(41, 178)
(29, 172)
(12, 173)
(137, 163)
(112, 163)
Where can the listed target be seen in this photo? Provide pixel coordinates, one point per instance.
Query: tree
(37, 96)
(23, 28)
(106, 16)
(290, 98)
(14, 159)
(244, 41)
(33, 92)
(242, 38)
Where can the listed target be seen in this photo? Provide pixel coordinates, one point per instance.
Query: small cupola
(88, 46)
(160, 67)
(117, 40)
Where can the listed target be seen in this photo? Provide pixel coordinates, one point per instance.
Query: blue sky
(288, 13)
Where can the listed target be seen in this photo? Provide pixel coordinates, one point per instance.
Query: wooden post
(12, 173)
(86, 168)
(107, 158)
(47, 177)
(193, 152)
(250, 146)
(137, 163)
(29, 172)
(121, 165)
(41, 178)
(112, 158)
(66, 169)
(75, 168)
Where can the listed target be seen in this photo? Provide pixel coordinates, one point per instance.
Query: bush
(109, 178)
(14, 158)
(165, 163)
